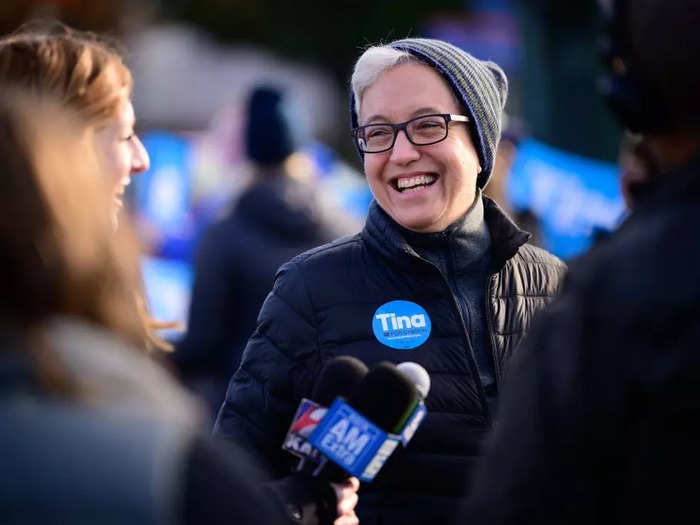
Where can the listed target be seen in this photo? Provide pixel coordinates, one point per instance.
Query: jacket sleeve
(554, 438)
(277, 369)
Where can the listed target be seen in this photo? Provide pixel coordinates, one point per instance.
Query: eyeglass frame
(403, 126)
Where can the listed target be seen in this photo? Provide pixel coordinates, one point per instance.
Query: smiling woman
(434, 253)
(427, 179)
(87, 75)
(120, 150)
(90, 427)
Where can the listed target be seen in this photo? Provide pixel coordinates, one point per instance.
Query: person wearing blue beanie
(479, 87)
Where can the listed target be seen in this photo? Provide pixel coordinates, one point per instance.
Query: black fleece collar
(387, 237)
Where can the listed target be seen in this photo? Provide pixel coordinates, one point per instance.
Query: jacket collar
(463, 246)
(506, 236)
(387, 237)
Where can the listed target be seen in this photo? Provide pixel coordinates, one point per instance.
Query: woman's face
(443, 175)
(120, 152)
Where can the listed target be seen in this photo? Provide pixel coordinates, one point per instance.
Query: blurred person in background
(279, 215)
(600, 421)
(434, 251)
(56, 63)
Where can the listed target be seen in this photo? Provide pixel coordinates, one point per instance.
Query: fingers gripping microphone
(338, 378)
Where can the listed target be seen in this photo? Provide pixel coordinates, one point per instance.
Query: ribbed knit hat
(481, 87)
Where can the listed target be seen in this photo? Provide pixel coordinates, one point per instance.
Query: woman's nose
(141, 162)
(404, 150)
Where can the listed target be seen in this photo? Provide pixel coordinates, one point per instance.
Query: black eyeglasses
(420, 131)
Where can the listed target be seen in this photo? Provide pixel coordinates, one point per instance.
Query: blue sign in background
(168, 284)
(401, 324)
(163, 193)
(571, 196)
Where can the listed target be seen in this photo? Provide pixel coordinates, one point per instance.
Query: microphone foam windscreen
(418, 375)
(339, 377)
(385, 396)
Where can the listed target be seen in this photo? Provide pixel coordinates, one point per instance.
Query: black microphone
(387, 398)
(421, 381)
(338, 378)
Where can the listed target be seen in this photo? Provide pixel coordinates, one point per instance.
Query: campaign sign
(572, 197)
(168, 286)
(305, 420)
(402, 325)
(413, 423)
(356, 444)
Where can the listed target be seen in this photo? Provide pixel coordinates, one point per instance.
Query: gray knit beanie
(481, 87)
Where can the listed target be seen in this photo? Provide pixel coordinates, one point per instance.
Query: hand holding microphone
(347, 498)
(363, 433)
(339, 378)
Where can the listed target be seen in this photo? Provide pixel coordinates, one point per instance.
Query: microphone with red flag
(338, 378)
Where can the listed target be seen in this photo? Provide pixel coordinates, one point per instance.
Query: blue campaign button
(402, 325)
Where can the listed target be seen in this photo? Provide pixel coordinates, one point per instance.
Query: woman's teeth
(414, 183)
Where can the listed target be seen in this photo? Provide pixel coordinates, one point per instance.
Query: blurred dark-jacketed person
(439, 275)
(600, 421)
(279, 215)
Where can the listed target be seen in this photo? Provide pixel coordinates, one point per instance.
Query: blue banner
(168, 285)
(163, 192)
(571, 196)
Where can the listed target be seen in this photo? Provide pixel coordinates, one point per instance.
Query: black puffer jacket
(322, 306)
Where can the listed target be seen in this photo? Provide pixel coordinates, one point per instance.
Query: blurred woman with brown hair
(75, 397)
(90, 428)
(87, 75)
